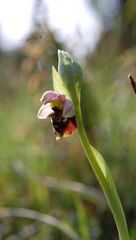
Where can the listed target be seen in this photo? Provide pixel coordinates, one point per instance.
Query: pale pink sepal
(68, 110)
(45, 111)
(51, 95)
(48, 96)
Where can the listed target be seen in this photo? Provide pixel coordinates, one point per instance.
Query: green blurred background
(38, 173)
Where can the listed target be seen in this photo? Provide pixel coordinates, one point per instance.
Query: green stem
(104, 177)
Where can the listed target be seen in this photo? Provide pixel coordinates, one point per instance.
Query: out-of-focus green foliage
(29, 152)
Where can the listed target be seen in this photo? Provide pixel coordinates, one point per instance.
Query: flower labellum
(61, 112)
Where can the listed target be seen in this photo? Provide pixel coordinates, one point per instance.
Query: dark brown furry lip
(62, 125)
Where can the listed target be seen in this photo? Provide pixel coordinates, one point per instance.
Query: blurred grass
(29, 151)
(29, 154)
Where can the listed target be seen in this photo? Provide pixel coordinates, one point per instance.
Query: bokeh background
(54, 179)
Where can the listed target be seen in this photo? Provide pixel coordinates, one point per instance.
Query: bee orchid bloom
(61, 112)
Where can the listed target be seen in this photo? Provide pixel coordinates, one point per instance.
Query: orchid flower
(60, 110)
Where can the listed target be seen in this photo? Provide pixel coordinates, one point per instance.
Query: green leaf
(83, 223)
(58, 83)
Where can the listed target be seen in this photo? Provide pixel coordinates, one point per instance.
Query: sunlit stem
(104, 177)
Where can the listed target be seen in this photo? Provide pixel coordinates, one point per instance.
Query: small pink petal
(68, 110)
(62, 97)
(45, 111)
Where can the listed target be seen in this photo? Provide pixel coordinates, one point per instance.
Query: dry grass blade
(92, 193)
(44, 218)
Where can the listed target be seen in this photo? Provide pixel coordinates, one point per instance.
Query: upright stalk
(104, 177)
(69, 81)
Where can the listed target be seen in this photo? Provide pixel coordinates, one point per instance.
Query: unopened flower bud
(71, 73)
